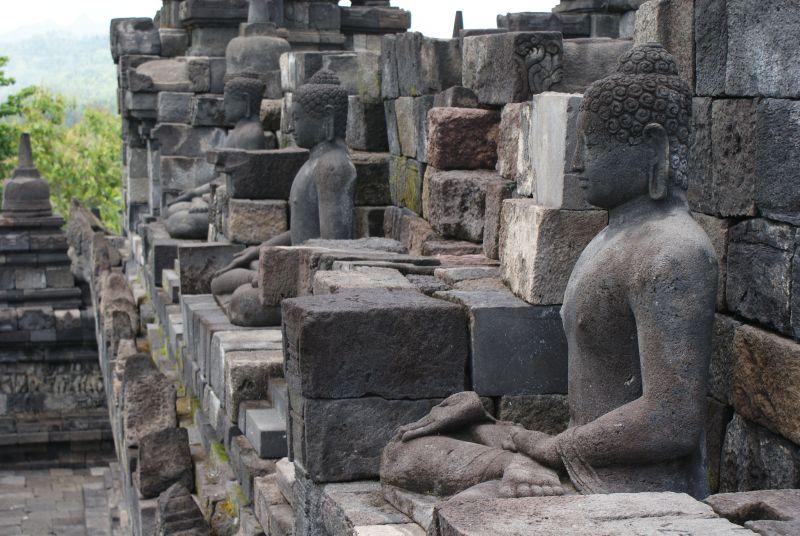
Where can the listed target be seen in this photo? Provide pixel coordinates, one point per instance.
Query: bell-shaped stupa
(26, 194)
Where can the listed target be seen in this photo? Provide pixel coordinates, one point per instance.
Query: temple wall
(463, 149)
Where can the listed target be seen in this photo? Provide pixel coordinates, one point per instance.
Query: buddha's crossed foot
(524, 477)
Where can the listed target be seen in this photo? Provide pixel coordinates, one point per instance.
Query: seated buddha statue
(321, 201)
(187, 216)
(638, 313)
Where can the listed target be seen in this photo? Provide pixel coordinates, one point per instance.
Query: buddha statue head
(26, 194)
(319, 110)
(243, 96)
(634, 131)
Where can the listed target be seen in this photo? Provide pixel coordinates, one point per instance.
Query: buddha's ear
(329, 123)
(657, 140)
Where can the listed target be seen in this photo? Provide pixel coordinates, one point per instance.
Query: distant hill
(79, 67)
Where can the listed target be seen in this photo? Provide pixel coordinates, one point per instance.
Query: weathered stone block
(209, 111)
(671, 23)
(164, 459)
(366, 125)
(386, 351)
(529, 21)
(342, 440)
(360, 277)
(515, 348)
(766, 380)
(745, 48)
(733, 142)
(247, 375)
(759, 272)
(618, 513)
(372, 178)
(510, 67)
(589, 59)
(174, 42)
(544, 413)
(755, 458)
(134, 36)
(553, 138)
(455, 97)
(508, 140)
(539, 246)
(777, 159)
(411, 118)
(405, 182)
(407, 228)
(357, 72)
(270, 114)
(298, 67)
(184, 140)
(426, 66)
(359, 508)
(255, 221)
(752, 507)
(392, 129)
(700, 193)
(456, 202)
(175, 107)
(462, 138)
(496, 193)
(178, 513)
(180, 173)
(260, 174)
(390, 83)
(723, 358)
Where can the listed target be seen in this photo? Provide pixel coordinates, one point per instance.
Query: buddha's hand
(241, 260)
(454, 413)
(537, 445)
(524, 477)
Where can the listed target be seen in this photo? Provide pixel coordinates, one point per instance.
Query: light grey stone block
(266, 431)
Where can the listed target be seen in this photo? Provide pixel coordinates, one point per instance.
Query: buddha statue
(187, 215)
(321, 201)
(638, 314)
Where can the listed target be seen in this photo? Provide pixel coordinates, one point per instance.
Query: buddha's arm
(673, 304)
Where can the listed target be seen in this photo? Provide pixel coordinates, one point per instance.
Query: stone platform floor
(63, 502)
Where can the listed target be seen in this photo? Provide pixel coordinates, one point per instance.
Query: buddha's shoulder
(677, 240)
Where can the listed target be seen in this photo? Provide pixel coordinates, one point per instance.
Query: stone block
(733, 142)
(211, 41)
(777, 159)
(426, 66)
(455, 97)
(410, 115)
(372, 178)
(407, 228)
(271, 114)
(405, 182)
(369, 221)
(134, 36)
(209, 111)
(261, 174)
(180, 173)
(359, 278)
(175, 107)
(513, 66)
(199, 262)
(765, 386)
(613, 514)
(342, 440)
(496, 193)
(159, 75)
(529, 21)
(266, 431)
(745, 49)
(508, 140)
(141, 106)
(30, 279)
(375, 16)
(357, 72)
(515, 348)
(759, 272)
(392, 129)
(285, 478)
(366, 125)
(178, 512)
(456, 202)
(749, 506)
(553, 124)
(539, 247)
(544, 413)
(184, 140)
(253, 221)
(385, 352)
(589, 59)
(164, 459)
(298, 66)
(247, 376)
(671, 23)
(247, 466)
(174, 42)
(148, 399)
(755, 458)
(462, 138)
(390, 83)
(723, 358)
(359, 508)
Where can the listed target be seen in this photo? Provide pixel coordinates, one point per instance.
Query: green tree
(79, 160)
(9, 108)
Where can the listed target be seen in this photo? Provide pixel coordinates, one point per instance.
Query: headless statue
(187, 215)
(638, 314)
(322, 197)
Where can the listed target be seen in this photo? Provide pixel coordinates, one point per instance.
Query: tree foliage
(80, 159)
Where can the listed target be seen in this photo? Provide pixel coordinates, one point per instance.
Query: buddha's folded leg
(441, 465)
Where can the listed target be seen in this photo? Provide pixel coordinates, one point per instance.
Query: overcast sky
(431, 17)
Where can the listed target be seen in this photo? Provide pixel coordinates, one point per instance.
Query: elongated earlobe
(329, 124)
(658, 180)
